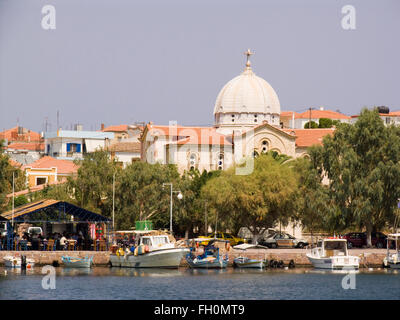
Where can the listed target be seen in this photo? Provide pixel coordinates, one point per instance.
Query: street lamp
(179, 196)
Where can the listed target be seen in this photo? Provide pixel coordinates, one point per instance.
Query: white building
(247, 123)
(70, 145)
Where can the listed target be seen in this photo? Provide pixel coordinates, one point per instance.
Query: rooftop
(47, 162)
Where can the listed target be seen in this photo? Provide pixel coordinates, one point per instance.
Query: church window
(221, 161)
(192, 161)
(255, 154)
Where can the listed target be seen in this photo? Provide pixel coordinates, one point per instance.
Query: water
(119, 283)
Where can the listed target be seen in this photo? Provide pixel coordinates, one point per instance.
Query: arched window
(264, 146)
(193, 161)
(255, 154)
(220, 164)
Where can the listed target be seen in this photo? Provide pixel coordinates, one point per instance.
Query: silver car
(283, 240)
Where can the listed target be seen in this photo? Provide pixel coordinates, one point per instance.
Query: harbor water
(159, 284)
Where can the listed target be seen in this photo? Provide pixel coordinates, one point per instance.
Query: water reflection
(145, 272)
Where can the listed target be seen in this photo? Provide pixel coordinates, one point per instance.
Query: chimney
(102, 127)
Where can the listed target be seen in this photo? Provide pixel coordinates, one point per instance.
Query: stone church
(246, 124)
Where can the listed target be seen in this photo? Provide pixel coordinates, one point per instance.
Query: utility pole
(309, 123)
(171, 202)
(205, 217)
(113, 210)
(13, 188)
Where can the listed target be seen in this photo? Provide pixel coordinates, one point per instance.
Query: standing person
(63, 242)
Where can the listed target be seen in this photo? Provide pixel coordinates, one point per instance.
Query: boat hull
(248, 263)
(335, 262)
(15, 262)
(207, 264)
(80, 263)
(166, 258)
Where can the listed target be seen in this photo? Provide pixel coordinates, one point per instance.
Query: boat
(245, 262)
(16, 262)
(332, 253)
(210, 259)
(74, 262)
(392, 260)
(152, 251)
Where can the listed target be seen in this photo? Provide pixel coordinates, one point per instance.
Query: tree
(257, 201)
(92, 187)
(6, 177)
(325, 123)
(140, 194)
(362, 162)
(314, 125)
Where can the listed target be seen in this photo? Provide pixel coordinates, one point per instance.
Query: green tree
(92, 187)
(257, 201)
(325, 123)
(314, 125)
(140, 194)
(362, 164)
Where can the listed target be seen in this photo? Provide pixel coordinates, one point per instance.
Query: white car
(283, 240)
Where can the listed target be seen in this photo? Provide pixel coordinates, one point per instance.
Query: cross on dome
(248, 53)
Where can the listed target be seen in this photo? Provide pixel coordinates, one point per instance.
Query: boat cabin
(332, 247)
(156, 242)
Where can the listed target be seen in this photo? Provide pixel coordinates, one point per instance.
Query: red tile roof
(309, 137)
(118, 128)
(32, 146)
(63, 166)
(125, 147)
(34, 189)
(189, 135)
(315, 114)
(26, 135)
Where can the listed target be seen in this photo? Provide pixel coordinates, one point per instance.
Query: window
(41, 180)
(73, 147)
(220, 165)
(192, 161)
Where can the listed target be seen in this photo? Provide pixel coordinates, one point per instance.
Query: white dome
(247, 93)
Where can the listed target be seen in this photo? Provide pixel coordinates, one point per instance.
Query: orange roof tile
(33, 146)
(289, 114)
(63, 166)
(189, 135)
(309, 137)
(318, 114)
(125, 147)
(26, 135)
(118, 128)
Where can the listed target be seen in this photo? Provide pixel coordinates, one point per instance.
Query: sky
(125, 61)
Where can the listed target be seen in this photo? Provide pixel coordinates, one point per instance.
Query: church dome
(247, 93)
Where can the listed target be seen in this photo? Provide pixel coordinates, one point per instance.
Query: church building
(246, 123)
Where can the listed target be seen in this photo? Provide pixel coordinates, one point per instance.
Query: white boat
(153, 251)
(392, 260)
(74, 262)
(15, 262)
(245, 262)
(331, 253)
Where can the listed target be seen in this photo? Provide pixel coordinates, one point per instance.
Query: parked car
(282, 240)
(359, 239)
(223, 236)
(35, 231)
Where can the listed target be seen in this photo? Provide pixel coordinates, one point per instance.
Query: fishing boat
(246, 262)
(74, 262)
(16, 262)
(392, 260)
(152, 251)
(210, 259)
(331, 253)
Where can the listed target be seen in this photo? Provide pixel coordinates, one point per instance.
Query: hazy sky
(121, 61)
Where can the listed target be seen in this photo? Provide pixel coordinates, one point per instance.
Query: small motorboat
(16, 262)
(74, 262)
(331, 253)
(210, 259)
(392, 260)
(152, 251)
(245, 262)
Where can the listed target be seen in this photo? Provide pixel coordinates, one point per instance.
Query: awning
(50, 210)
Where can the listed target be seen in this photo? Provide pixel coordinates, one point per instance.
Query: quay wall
(368, 257)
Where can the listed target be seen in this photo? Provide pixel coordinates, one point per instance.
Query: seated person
(63, 242)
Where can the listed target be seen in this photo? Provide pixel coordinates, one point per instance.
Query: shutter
(78, 147)
(68, 147)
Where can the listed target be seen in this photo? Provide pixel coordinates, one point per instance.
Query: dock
(369, 258)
